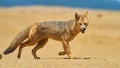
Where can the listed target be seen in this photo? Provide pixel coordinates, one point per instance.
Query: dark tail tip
(0, 56)
(7, 51)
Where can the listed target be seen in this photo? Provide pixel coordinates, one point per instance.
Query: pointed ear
(77, 17)
(85, 14)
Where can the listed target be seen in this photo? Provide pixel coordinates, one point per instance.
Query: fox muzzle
(83, 28)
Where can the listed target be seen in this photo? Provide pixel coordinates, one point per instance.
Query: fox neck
(75, 29)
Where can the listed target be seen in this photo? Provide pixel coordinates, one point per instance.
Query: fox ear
(85, 14)
(77, 17)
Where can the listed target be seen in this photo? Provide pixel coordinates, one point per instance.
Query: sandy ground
(99, 47)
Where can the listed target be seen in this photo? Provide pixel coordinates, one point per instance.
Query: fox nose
(84, 29)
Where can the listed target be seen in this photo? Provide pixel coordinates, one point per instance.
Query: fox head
(81, 21)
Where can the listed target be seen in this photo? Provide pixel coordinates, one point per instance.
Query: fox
(39, 33)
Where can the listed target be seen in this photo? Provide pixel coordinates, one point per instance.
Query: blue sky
(100, 4)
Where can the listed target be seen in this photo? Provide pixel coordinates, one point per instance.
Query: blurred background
(92, 4)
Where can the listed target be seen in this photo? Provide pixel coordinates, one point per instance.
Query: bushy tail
(20, 37)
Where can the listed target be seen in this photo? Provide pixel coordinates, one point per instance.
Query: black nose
(84, 28)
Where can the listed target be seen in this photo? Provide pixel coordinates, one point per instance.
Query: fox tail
(20, 37)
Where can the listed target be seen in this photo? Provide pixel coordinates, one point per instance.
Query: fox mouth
(82, 30)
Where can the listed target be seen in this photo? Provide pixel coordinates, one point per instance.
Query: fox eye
(85, 23)
(80, 24)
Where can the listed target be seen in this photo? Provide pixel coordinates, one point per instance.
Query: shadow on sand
(85, 58)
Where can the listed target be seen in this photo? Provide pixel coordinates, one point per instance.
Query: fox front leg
(62, 52)
(66, 48)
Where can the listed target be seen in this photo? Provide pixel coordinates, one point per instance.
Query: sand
(99, 47)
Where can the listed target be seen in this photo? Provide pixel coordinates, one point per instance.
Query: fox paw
(62, 53)
(18, 56)
(37, 57)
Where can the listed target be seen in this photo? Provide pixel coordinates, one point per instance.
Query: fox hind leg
(40, 44)
(26, 43)
(21, 47)
(34, 37)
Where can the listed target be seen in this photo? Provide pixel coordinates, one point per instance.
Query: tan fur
(63, 31)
